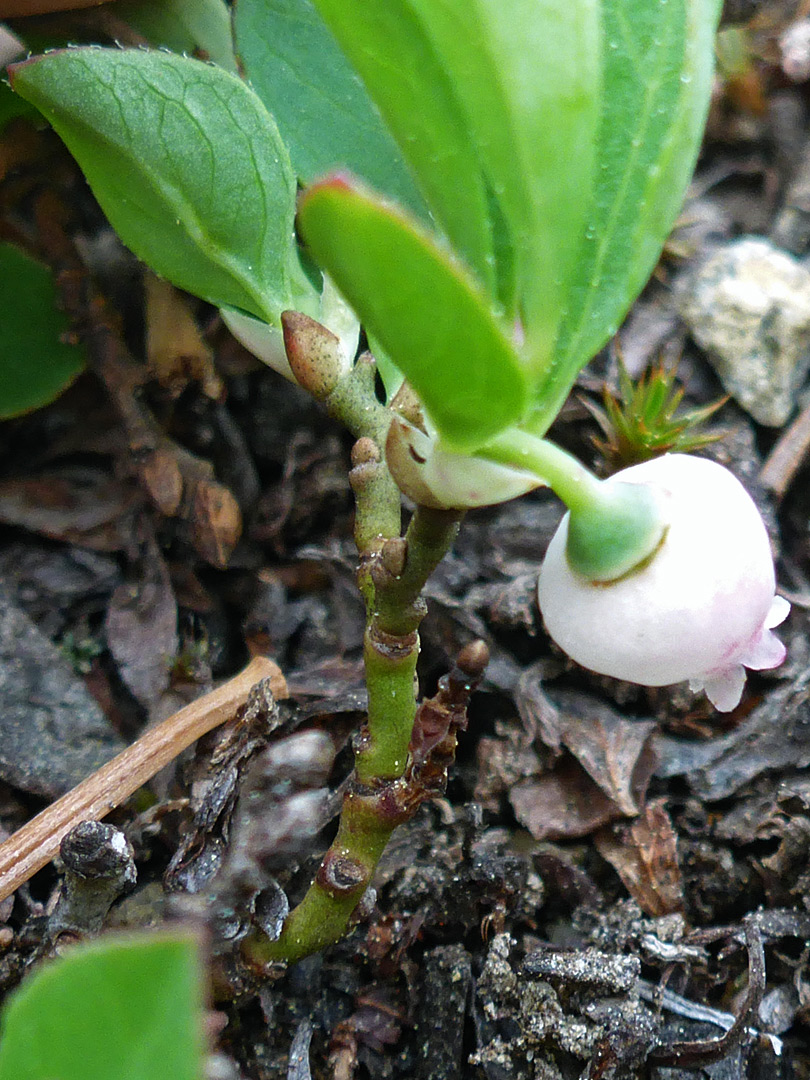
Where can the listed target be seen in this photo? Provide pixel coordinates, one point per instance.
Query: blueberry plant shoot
(484, 186)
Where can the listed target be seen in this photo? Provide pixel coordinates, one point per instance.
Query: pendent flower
(701, 608)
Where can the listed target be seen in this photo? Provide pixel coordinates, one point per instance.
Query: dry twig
(694, 1055)
(787, 455)
(37, 842)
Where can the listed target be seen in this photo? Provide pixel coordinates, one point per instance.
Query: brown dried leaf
(216, 522)
(502, 763)
(162, 477)
(539, 714)
(141, 628)
(78, 505)
(343, 1051)
(214, 780)
(378, 1018)
(774, 736)
(563, 804)
(615, 752)
(645, 856)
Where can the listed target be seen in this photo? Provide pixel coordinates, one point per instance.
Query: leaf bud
(315, 354)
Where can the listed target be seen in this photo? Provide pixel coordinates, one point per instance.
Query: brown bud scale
(314, 353)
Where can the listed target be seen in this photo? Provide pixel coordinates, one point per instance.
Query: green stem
(429, 537)
(391, 646)
(344, 875)
(390, 665)
(613, 526)
(567, 477)
(373, 807)
(392, 574)
(377, 498)
(354, 403)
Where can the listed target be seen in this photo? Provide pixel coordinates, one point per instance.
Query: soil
(616, 882)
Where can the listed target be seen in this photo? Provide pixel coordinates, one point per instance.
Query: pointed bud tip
(315, 354)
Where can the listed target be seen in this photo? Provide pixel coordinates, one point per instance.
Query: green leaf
(409, 81)
(429, 315)
(584, 119)
(184, 26)
(390, 375)
(36, 365)
(495, 103)
(185, 161)
(116, 1009)
(658, 62)
(322, 109)
(531, 100)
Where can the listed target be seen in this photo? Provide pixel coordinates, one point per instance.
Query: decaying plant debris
(615, 882)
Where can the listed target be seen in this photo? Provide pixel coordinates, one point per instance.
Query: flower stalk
(613, 527)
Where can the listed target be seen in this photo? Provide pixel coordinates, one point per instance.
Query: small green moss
(643, 421)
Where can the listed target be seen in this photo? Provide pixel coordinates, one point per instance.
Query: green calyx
(617, 532)
(613, 526)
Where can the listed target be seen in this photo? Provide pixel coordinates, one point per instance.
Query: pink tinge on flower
(724, 688)
(701, 609)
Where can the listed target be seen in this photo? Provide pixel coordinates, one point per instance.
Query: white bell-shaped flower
(701, 608)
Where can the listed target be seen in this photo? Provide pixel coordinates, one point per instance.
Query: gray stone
(52, 732)
(748, 306)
